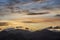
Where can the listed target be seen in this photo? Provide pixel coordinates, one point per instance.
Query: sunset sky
(32, 7)
(51, 18)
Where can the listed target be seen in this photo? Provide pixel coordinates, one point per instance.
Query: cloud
(16, 16)
(37, 5)
(41, 5)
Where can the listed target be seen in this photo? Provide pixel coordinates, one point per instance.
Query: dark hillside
(44, 34)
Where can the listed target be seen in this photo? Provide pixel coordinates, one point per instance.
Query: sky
(50, 17)
(38, 5)
(3, 0)
(49, 3)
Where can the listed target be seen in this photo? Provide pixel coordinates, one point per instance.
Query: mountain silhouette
(17, 34)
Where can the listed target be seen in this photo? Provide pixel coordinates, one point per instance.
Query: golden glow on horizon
(32, 23)
(36, 24)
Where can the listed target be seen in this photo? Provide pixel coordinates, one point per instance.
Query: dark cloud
(58, 15)
(35, 0)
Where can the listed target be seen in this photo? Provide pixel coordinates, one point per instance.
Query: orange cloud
(39, 20)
